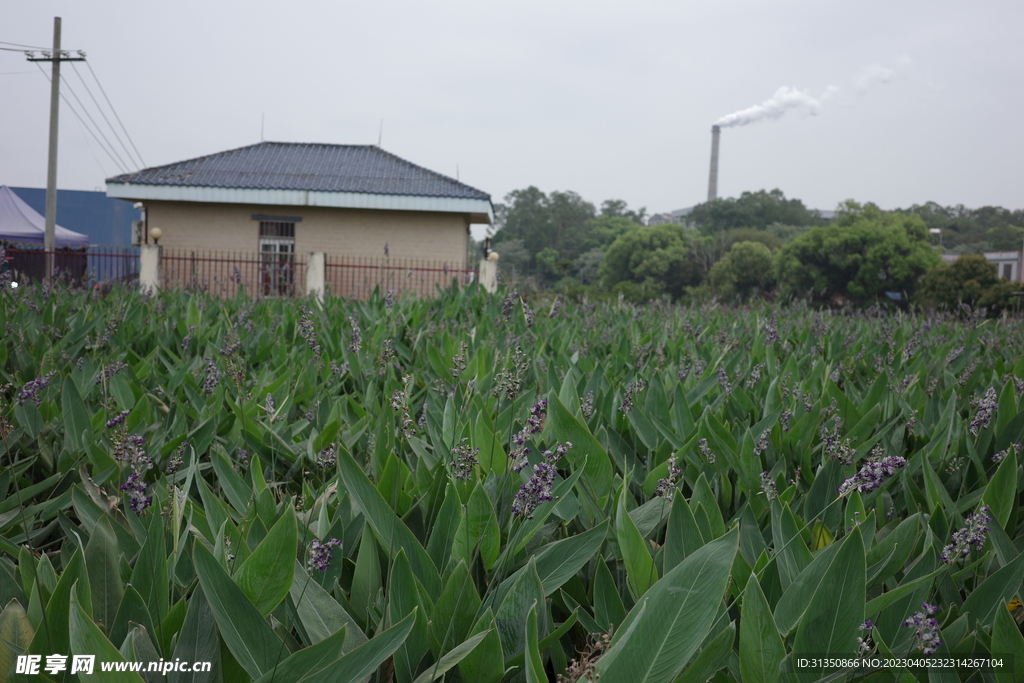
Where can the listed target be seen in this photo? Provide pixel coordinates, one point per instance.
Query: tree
(966, 280)
(745, 269)
(861, 255)
(655, 255)
(751, 210)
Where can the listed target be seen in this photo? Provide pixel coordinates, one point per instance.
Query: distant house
(1008, 263)
(295, 198)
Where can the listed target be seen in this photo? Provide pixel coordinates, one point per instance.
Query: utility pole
(56, 57)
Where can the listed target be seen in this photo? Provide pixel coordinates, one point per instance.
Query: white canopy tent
(19, 222)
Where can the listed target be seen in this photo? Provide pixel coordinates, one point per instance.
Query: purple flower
(465, 460)
(872, 474)
(507, 305)
(243, 457)
(212, 376)
(389, 299)
(117, 419)
(136, 489)
(587, 406)
(705, 451)
(970, 537)
(188, 337)
(768, 486)
(632, 389)
(327, 457)
(538, 489)
(356, 337)
(176, 460)
(666, 487)
(926, 629)
(986, 406)
(110, 371)
(320, 554)
(308, 332)
(867, 625)
(30, 392)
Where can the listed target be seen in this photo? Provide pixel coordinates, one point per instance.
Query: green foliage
(744, 270)
(659, 531)
(655, 255)
(970, 280)
(751, 210)
(861, 255)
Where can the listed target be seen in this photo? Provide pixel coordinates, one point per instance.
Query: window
(1008, 271)
(277, 258)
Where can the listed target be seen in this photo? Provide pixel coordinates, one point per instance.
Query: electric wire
(95, 78)
(121, 163)
(88, 90)
(77, 115)
(31, 47)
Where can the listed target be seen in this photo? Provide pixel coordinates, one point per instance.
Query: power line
(122, 165)
(31, 47)
(79, 117)
(115, 113)
(109, 125)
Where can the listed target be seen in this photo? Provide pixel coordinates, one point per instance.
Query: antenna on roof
(456, 171)
(262, 119)
(380, 135)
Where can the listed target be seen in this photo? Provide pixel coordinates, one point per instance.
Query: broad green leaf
(559, 561)
(795, 600)
(404, 597)
(830, 623)
(320, 613)
(365, 659)
(307, 661)
(534, 664)
(266, 576)
(391, 532)
(455, 610)
(198, 641)
(525, 591)
(86, 638)
(451, 658)
(149, 576)
(761, 648)
(132, 610)
(15, 637)
(442, 531)
(640, 571)
(994, 592)
(672, 619)
(609, 612)
(244, 630)
(52, 634)
(791, 551)
(1007, 640)
(711, 657)
(1001, 493)
(76, 417)
(235, 489)
(703, 495)
(682, 538)
(563, 426)
(102, 561)
(485, 664)
(478, 530)
(876, 605)
(366, 580)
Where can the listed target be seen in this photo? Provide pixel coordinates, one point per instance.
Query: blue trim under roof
(305, 166)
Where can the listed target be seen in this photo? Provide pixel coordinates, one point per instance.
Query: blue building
(107, 221)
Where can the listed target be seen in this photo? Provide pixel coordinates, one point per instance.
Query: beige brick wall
(440, 237)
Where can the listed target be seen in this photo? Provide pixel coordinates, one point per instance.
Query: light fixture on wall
(156, 234)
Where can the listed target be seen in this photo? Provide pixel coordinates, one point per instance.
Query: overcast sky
(891, 102)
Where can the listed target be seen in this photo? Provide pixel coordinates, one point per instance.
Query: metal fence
(77, 267)
(224, 273)
(356, 278)
(260, 275)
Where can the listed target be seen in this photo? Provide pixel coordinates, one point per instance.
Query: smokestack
(713, 180)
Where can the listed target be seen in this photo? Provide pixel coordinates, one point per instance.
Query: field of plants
(477, 489)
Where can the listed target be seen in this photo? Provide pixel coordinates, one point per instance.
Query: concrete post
(316, 272)
(149, 267)
(489, 275)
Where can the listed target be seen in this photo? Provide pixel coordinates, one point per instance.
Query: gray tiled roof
(305, 166)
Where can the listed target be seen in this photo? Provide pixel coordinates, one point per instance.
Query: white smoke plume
(873, 74)
(783, 100)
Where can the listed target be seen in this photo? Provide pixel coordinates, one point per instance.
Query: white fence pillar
(149, 267)
(316, 275)
(489, 275)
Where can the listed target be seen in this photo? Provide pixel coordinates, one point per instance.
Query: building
(1008, 263)
(282, 199)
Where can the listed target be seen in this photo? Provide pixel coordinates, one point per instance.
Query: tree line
(757, 245)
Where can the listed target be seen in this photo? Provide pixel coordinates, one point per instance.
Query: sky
(892, 103)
